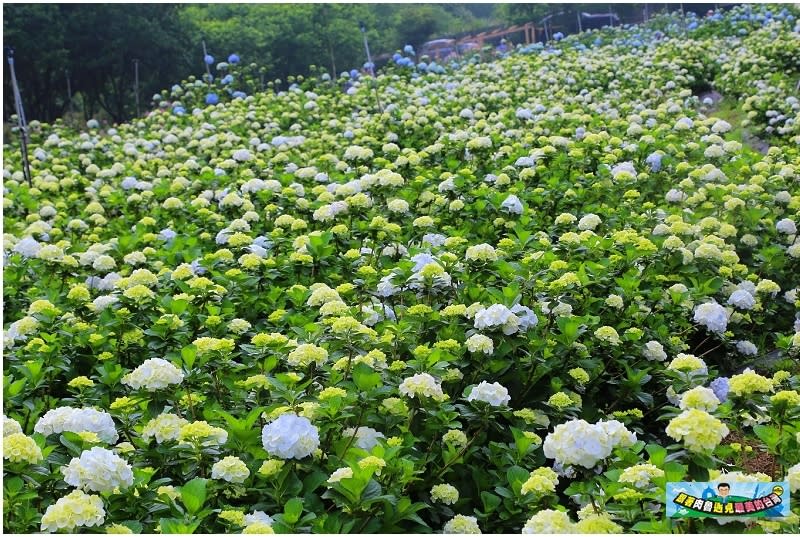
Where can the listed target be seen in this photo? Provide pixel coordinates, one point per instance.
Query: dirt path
(730, 110)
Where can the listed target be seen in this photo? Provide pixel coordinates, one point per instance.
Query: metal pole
(363, 29)
(208, 68)
(136, 84)
(69, 86)
(683, 18)
(23, 124)
(580, 25)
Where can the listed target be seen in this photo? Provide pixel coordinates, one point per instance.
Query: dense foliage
(90, 48)
(512, 296)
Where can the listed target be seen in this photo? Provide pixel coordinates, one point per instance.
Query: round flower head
(653, 350)
(786, 226)
(77, 509)
(793, 477)
(641, 475)
(163, 427)
(306, 353)
(512, 204)
(290, 437)
(10, 426)
(698, 430)
(20, 448)
(444, 493)
(154, 374)
(689, 363)
(422, 385)
(712, 316)
(230, 469)
(700, 398)
(77, 420)
(98, 470)
(548, 521)
(481, 252)
(480, 343)
(579, 443)
(462, 524)
(597, 524)
(494, 394)
(497, 316)
(749, 382)
(742, 299)
(589, 221)
(366, 437)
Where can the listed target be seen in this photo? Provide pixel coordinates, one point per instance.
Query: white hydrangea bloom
(579, 443)
(786, 226)
(98, 470)
(512, 204)
(154, 374)
(163, 428)
(77, 420)
(366, 437)
(742, 299)
(712, 316)
(495, 394)
(230, 469)
(10, 426)
(290, 437)
(497, 316)
(589, 221)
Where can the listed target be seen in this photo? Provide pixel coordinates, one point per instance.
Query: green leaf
(176, 525)
(768, 434)
(72, 442)
(178, 306)
(15, 387)
(292, 510)
(189, 354)
(657, 453)
(193, 494)
(674, 471)
(516, 477)
(365, 378)
(490, 502)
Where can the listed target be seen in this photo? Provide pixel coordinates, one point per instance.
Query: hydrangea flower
(290, 437)
(98, 470)
(494, 394)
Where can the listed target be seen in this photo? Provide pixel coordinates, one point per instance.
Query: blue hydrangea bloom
(396, 56)
(227, 79)
(209, 59)
(233, 58)
(212, 98)
(239, 95)
(167, 235)
(179, 110)
(408, 49)
(558, 36)
(354, 73)
(654, 161)
(720, 388)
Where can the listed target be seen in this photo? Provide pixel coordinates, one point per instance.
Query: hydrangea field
(517, 295)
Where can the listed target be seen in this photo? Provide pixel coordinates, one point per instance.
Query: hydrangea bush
(517, 296)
